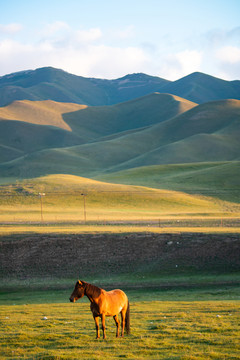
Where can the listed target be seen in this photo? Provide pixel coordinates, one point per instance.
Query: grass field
(9, 230)
(216, 179)
(159, 330)
(190, 316)
(198, 320)
(75, 199)
(184, 317)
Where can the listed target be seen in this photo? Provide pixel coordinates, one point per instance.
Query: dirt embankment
(82, 255)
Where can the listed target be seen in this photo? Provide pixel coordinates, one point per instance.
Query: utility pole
(84, 207)
(41, 195)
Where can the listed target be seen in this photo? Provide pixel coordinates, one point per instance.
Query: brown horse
(104, 303)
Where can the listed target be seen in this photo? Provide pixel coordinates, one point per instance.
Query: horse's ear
(79, 282)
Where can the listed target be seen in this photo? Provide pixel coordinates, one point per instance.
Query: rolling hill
(39, 112)
(55, 84)
(138, 129)
(103, 200)
(208, 132)
(129, 116)
(19, 139)
(216, 179)
(205, 133)
(29, 126)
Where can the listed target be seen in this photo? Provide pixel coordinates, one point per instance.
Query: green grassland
(174, 315)
(159, 330)
(216, 179)
(65, 196)
(187, 316)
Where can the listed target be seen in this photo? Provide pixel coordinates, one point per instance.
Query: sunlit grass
(74, 199)
(159, 330)
(78, 229)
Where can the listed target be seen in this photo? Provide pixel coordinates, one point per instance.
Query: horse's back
(117, 294)
(116, 301)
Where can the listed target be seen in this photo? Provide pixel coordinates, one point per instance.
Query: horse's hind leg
(123, 316)
(117, 324)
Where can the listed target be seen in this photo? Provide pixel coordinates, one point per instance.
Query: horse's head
(78, 291)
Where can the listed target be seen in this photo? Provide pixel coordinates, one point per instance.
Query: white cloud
(189, 60)
(89, 60)
(10, 29)
(83, 52)
(227, 62)
(54, 28)
(60, 35)
(93, 52)
(88, 36)
(229, 54)
(175, 66)
(14, 55)
(99, 60)
(112, 62)
(10, 48)
(126, 33)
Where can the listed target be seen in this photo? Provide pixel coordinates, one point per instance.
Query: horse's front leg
(103, 326)
(117, 324)
(96, 319)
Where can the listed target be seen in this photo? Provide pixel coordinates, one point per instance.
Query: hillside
(49, 84)
(22, 132)
(39, 112)
(104, 201)
(217, 179)
(208, 132)
(18, 139)
(131, 115)
(200, 88)
(55, 84)
(120, 136)
(130, 87)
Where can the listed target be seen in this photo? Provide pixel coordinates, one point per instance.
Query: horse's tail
(127, 319)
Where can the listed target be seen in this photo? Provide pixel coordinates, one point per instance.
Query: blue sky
(109, 39)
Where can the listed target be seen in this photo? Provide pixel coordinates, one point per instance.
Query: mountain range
(54, 84)
(53, 122)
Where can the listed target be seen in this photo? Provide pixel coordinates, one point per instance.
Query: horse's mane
(94, 290)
